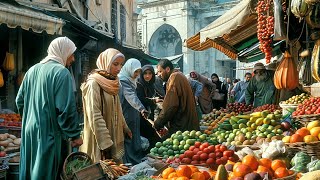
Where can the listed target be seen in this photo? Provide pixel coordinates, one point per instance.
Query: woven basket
(312, 149)
(305, 119)
(291, 177)
(253, 147)
(73, 156)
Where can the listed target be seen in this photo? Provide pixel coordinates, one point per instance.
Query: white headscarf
(59, 50)
(128, 70)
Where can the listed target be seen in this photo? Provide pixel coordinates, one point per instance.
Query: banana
(315, 61)
(243, 117)
(256, 114)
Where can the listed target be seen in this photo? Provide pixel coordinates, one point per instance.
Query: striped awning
(230, 29)
(27, 18)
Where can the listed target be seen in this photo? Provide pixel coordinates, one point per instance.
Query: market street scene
(160, 90)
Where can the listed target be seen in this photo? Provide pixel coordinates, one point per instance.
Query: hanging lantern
(8, 63)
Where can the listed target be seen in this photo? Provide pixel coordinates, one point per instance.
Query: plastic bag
(243, 152)
(279, 27)
(144, 143)
(300, 161)
(314, 165)
(273, 149)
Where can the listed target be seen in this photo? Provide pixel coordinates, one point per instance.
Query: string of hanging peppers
(265, 27)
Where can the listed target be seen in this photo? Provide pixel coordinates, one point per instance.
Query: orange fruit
(184, 170)
(296, 138)
(265, 162)
(182, 178)
(264, 169)
(277, 164)
(193, 168)
(241, 170)
(235, 165)
(167, 171)
(281, 172)
(198, 176)
(303, 132)
(206, 175)
(251, 161)
(172, 175)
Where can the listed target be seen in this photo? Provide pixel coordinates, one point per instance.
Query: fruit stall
(253, 143)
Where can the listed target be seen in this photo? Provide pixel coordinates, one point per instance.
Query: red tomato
(217, 146)
(219, 154)
(212, 155)
(197, 144)
(228, 153)
(223, 148)
(218, 161)
(191, 148)
(211, 148)
(3, 154)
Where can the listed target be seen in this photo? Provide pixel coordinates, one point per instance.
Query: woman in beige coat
(104, 124)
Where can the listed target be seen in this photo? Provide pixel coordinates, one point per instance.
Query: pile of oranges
(250, 164)
(185, 172)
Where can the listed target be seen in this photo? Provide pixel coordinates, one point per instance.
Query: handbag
(218, 96)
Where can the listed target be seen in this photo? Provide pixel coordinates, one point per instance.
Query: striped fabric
(26, 18)
(233, 27)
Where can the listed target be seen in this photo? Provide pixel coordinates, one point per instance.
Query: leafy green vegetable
(76, 165)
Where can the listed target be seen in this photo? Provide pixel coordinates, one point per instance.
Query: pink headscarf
(104, 62)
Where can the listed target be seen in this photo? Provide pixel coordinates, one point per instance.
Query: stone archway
(165, 41)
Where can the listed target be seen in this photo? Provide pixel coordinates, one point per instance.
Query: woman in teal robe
(47, 105)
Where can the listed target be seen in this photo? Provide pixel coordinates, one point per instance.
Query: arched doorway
(166, 41)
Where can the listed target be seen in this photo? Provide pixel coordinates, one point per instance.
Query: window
(114, 18)
(123, 23)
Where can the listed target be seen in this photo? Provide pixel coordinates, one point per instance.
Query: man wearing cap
(261, 89)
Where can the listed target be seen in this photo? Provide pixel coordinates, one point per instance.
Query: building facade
(164, 25)
(27, 28)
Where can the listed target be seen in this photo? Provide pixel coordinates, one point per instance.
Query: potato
(4, 143)
(17, 141)
(12, 137)
(3, 137)
(11, 145)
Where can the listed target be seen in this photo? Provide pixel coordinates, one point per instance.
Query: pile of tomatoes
(309, 106)
(206, 154)
(265, 28)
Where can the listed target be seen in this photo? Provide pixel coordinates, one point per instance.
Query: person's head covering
(148, 87)
(215, 75)
(59, 50)
(128, 70)
(141, 78)
(106, 58)
(259, 66)
(104, 61)
(194, 75)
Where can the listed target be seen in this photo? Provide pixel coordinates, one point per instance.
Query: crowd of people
(121, 102)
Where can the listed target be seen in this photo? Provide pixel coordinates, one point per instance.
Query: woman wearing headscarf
(205, 98)
(131, 106)
(47, 105)
(220, 88)
(146, 91)
(104, 124)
